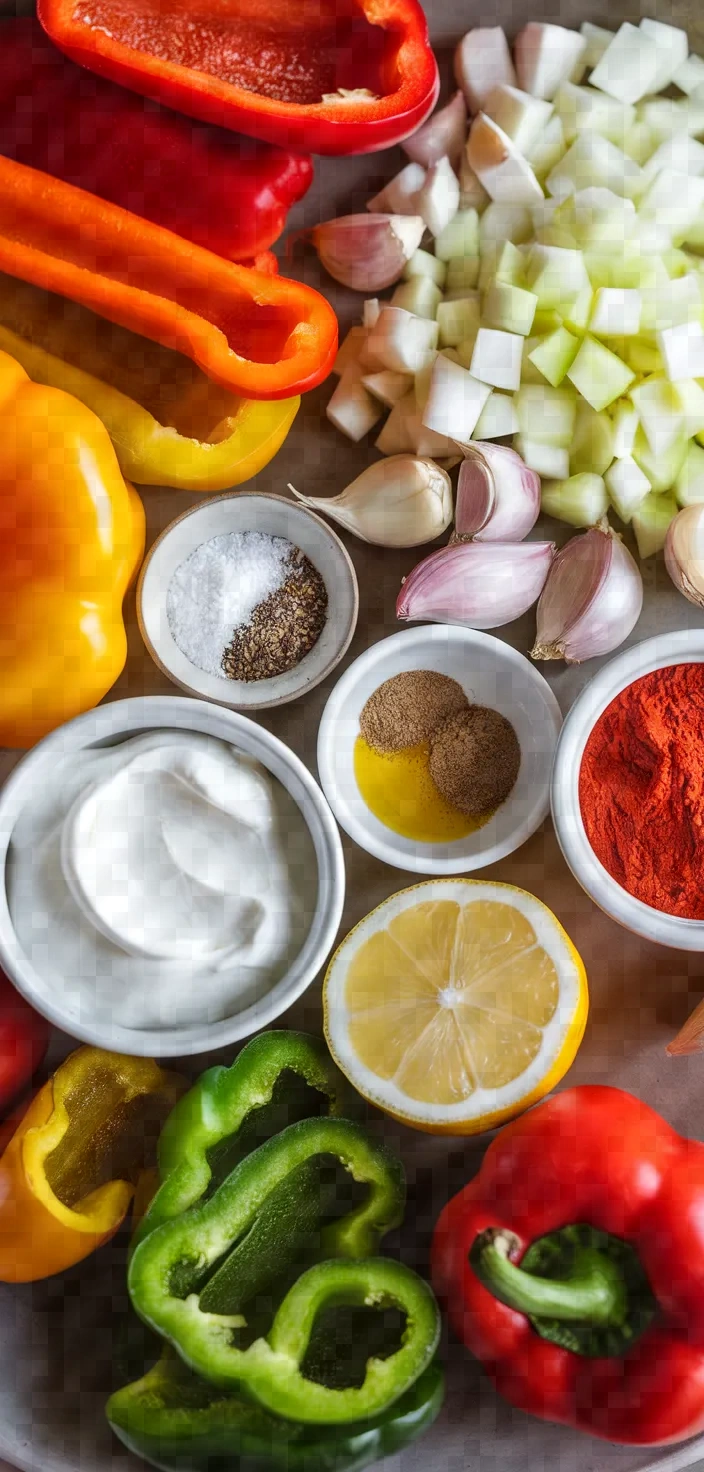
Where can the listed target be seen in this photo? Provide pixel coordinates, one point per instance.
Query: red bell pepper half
(229, 194)
(339, 76)
(573, 1267)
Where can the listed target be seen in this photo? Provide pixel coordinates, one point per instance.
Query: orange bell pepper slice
(70, 1170)
(260, 335)
(71, 539)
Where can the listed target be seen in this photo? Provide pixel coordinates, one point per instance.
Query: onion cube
(660, 412)
(555, 354)
(629, 66)
(689, 486)
(509, 308)
(616, 311)
(497, 358)
(682, 348)
(551, 461)
(546, 55)
(596, 39)
(690, 75)
(673, 48)
(455, 400)
(498, 418)
(521, 116)
(627, 486)
(599, 375)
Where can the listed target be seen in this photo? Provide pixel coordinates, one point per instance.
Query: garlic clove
(442, 136)
(591, 601)
(402, 501)
(498, 497)
(367, 252)
(684, 553)
(479, 584)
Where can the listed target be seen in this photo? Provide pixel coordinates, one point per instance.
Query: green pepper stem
(593, 1293)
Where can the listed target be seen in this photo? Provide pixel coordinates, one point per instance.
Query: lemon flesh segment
(454, 1008)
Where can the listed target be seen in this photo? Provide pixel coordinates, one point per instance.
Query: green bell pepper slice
(277, 1079)
(179, 1423)
(191, 1277)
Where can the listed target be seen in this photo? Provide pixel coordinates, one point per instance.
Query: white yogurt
(163, 882)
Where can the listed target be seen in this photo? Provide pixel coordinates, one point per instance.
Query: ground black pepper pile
(282, 629)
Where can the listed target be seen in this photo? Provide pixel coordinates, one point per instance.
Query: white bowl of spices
(435, 750)
(247, 600)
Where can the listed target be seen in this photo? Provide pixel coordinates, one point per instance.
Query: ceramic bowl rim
(684, 646)
(386, 848)
(341, 647)
(120, 719)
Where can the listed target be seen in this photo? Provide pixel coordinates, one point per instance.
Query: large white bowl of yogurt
(171, 877)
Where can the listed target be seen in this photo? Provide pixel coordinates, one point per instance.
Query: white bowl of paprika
(627, 791)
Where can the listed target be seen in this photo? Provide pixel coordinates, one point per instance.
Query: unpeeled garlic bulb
(402, 501)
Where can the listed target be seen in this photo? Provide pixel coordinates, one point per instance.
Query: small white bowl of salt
(248, 600)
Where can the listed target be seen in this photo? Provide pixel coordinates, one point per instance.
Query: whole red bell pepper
(339, 76)
(229, 194)
(573, 1267)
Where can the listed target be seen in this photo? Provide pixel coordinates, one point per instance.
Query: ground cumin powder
(474, 760)
(409, 708)
(641, 790)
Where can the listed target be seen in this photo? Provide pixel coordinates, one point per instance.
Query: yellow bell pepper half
(71, 539)
(69, 1172)
(170, 425)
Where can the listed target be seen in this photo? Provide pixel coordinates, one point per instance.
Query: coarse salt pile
(217, 588)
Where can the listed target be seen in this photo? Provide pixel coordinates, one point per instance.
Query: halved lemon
(456, 1004)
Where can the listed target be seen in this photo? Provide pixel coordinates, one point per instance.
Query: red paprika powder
(641, 790)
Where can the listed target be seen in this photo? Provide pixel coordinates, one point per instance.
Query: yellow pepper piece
(69, 1172)
(169, 424)
(71, 539)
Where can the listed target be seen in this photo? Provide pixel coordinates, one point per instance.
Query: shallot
(479, 584)
(592, 598)
(498, 497)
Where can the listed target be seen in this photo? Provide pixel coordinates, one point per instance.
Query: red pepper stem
(594, 1292)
